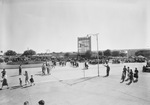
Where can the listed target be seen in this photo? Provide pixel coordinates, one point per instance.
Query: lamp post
(97, 49)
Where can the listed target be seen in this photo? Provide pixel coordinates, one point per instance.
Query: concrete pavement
(68, 86)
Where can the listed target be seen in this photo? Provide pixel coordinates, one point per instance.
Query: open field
(73, 86)
(17, 66)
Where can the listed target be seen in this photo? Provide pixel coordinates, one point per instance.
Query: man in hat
(107, 69)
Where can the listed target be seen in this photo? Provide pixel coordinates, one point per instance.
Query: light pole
(97, 49)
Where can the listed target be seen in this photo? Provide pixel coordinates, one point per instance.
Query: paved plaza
(74, 86)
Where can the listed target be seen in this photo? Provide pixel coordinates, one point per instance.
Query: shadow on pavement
(18, 86)
(74, 82)
(42, 74)
(14, 75)
(26, 86)
(15, 87)
(39, 74)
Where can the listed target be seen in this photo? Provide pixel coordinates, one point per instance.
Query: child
(136, 75)
(32, 80)
(20, 82)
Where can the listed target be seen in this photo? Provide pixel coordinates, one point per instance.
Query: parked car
(147, 67)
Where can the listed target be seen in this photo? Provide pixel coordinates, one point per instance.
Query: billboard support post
(97, 49)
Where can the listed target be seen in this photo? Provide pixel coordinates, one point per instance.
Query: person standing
(136, 75)
(86, 65)
(123, 74)
(128, 74)
(20, 70)
(107, 70)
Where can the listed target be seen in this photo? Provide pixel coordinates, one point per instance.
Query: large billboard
(84, 44)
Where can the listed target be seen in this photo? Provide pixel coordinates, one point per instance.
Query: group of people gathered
(129, 75)
(46, 67)
(62, 63)
(74, 63)
(27, 80)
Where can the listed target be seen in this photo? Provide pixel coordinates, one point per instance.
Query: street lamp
(97, 48)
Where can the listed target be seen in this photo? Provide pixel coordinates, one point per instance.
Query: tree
(67, 55)
(1, 60)
(107, 52)
(123, 54)
(88, 54)
(115, 53)
(29, 52)
(10, 53)
(100, 53)
(145, 53)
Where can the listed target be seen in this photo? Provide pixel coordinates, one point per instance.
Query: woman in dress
(48, 68)
(26, 78)
(43, 69)
(4, 82)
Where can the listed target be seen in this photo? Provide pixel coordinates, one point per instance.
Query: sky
(55, 25)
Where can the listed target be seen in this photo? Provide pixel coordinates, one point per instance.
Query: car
(147, 67)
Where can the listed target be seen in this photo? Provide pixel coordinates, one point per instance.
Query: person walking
(4, 82)
(43, 69)
(20, 70)
(26, 78)
(20, 82)
(123, 74)
(130, 77)
(127, 74)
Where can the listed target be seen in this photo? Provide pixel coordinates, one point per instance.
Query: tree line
(25, 53)
(88, 54)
